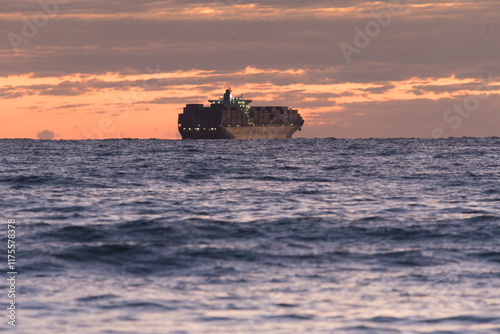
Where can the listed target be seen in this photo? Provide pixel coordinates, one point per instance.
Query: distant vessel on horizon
(232, 118)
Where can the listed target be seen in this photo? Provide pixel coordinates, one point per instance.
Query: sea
(258, 236)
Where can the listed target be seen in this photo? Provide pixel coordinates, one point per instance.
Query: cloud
(72, 106)
(405, 118)
(45, 134)
(379, 90)
(436, 40)
(10, 93)
(178, 100)
(451, 88)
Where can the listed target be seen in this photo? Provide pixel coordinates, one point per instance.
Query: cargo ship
(232, 118)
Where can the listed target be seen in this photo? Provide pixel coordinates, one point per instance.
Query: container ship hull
(241, 132)
(233, 118)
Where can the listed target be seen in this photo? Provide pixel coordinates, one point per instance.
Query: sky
(93, 69)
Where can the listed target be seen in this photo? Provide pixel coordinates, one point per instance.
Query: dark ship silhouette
(232, 118)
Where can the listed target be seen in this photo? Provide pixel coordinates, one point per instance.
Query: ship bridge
(229, 101)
